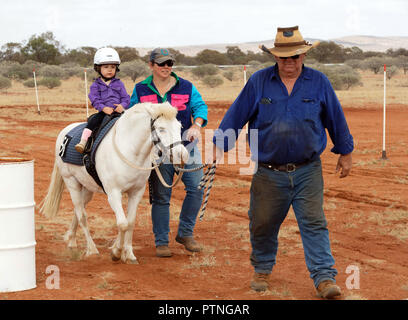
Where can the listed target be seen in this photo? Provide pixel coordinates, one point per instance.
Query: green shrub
(29, 83)
(205, 70)
(50, 71)
(49, 82)
(355, 63)
(229, 75)
(342, 77)
(72, 69)
(17, 71)
(4, 83)
(391, 71)
(213, 81)
(134, 69)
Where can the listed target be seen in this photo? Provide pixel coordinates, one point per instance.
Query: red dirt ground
(367, 215)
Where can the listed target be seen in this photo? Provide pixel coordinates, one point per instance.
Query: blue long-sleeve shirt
(291, 128)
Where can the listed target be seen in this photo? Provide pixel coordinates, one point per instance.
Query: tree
(236, 55)
(182, 59)
(127, 53)
(11, 51)
(403, 63)
(391, 71)
(328, 52)
(354, 53)
(208, 56)
(397, 52)
(83, 56)
(375, 64)
(44, 48)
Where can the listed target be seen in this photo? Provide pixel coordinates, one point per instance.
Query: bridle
(206, 180)
(163, 151)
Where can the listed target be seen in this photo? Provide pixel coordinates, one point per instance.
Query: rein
(206, 181)
(161, 146)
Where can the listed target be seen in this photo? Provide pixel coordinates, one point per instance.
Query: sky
(172, 23)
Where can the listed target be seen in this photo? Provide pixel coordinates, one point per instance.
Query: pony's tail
(50, 204)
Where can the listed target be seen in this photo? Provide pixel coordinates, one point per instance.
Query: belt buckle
(290, 167)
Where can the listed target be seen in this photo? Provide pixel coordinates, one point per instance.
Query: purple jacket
(102, 95)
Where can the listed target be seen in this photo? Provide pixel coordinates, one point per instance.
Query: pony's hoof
(132, 261)
(114, 258)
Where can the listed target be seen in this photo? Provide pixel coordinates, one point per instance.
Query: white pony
(130, 141)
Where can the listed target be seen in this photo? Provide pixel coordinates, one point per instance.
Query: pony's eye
(162, 130)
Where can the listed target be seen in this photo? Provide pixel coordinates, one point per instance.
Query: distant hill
(371, 43)
(365, 43)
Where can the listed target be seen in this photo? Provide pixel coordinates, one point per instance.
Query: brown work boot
(189, 243)
(163, 251)
(80, 147)
(328, 290)
(260, 281)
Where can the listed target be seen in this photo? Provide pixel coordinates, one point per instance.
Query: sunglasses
(169, 63)
(295, 57)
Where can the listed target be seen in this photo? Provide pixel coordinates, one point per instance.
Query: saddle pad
(68, 153)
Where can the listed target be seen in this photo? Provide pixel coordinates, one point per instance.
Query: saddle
(68, 153)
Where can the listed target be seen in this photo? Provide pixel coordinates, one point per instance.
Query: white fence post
(384, 154)
(86, 93)
(36, 92)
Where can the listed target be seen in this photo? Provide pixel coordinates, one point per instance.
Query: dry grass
(372, 90)
(199, 261)
(72, 91)
(391, 222)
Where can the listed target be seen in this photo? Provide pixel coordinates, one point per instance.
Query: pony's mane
(156, 110)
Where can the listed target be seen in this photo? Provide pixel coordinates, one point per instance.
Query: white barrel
(17, 227)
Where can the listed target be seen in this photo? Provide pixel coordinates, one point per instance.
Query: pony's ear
(152, 109)
(162, 109)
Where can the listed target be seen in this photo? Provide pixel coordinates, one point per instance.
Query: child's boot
(80, 147)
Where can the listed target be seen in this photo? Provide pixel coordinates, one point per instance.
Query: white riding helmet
(106, 56)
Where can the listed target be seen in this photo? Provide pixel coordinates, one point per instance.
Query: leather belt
(288, 167)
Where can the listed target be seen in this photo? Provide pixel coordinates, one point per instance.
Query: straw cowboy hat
(289, 42)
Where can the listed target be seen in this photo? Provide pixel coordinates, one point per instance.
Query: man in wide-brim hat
(290, 106)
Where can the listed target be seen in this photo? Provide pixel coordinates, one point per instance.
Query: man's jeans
(162, 195)
(272, 194)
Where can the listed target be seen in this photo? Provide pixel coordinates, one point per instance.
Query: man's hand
(119, 108)
(344, 165)
(107, 110)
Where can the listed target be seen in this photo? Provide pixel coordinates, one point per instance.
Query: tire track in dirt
(364, 198)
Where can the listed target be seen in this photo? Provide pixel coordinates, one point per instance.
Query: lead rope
(208, 177)
(123, 158)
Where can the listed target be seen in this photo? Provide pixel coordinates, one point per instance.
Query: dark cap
(160, 55)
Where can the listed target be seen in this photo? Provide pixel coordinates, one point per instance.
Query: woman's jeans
(272, 194)
(162, 195)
